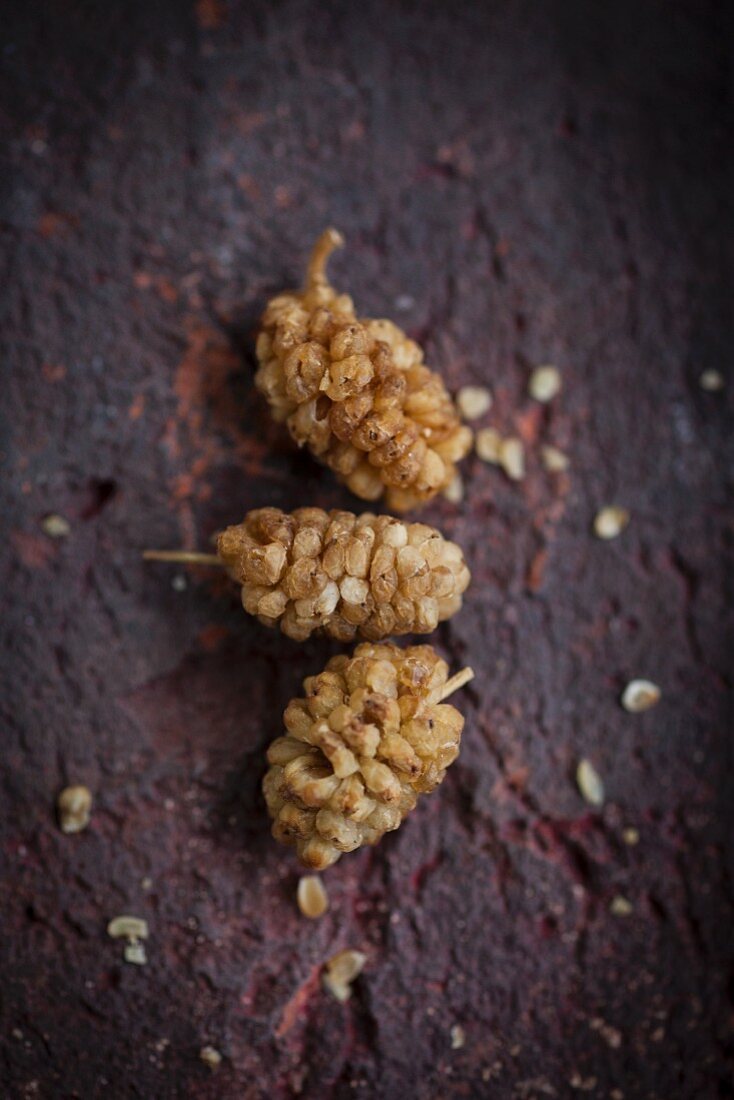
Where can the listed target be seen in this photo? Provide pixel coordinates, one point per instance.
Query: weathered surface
(518, 183)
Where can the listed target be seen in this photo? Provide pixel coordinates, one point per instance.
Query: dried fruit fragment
(640, 695)
(620, 907)
(74, 806)
(56, 527)
(555, 461)
(131, 928)
(610, 522)
(712, 381)
(589, 783)
(512, 458)
(340, 971)
(488, 444)
(211, 1057)
(357, 393)
(545, 383)
(371, 734)
(312, 898)
(134, 953)
(473, 401)
(458, 1037)
(343, 575)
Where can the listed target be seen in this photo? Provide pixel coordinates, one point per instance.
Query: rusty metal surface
(519, 184)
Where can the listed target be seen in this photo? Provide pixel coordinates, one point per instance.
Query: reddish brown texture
(519, 184)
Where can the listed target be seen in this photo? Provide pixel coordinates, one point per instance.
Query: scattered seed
(631, 836)
(454, 491)
(620, 907)
(56, 527)
(74, 805)
(211, 1057)
(545, 383)
(473, 401)
(554, 460)
(458, 1037)
(640, 695)
(712, 381)
(610, 522)
(312, 897)
(131, 928)
(590, 783)
(488, 444)
(512, 458)
(340, 971)
(135, 953)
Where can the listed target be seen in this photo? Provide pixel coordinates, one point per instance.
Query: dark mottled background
(520, 183)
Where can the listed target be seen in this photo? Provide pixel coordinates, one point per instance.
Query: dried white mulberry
(343, 575)
(371, 734)
(357, 393)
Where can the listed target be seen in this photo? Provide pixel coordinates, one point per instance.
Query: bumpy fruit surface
(343, 575)
(369, 737)
(357, 393)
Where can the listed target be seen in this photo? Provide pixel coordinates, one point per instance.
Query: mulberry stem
(457, 681)
(190, 557)
(325, 245)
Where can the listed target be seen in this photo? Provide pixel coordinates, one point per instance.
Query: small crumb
(545, 383)
(74, 806)
(211, 1057)
(17, 1033)
(512, 458)
(473, 401)
(458, 1037)
(640, 695)
(589, 783)
(454, 491)
(313, 900)
(712, 381)
(620, 907)
(132, 928)
(555, 461)
(631, 836)
(135, 953)
(179, 583)
(56, 527)
(404, 302)
(610, 522)
(147, 883)
(340, 971)
(488, 445)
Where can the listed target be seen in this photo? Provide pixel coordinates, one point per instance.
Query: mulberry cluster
(357, 393)
(343, 575)
(370, 736)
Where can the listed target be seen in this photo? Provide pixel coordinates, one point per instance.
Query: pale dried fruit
(555, 461)
(356, 392)
(712, 381)
(620, 907)
(370, 736)
(56, 527)
(74, 806)
(134, 952)
(340, 971)
(610, 522)
(127, 927)
(473, 401)
(343, 575)
(454, 492)
(312, 898)
(458, 1037)
(545, 383)
(631, 836)
(211, 1057)
(512, 458)
(589, 783)
(488, 445)
(640, 695)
